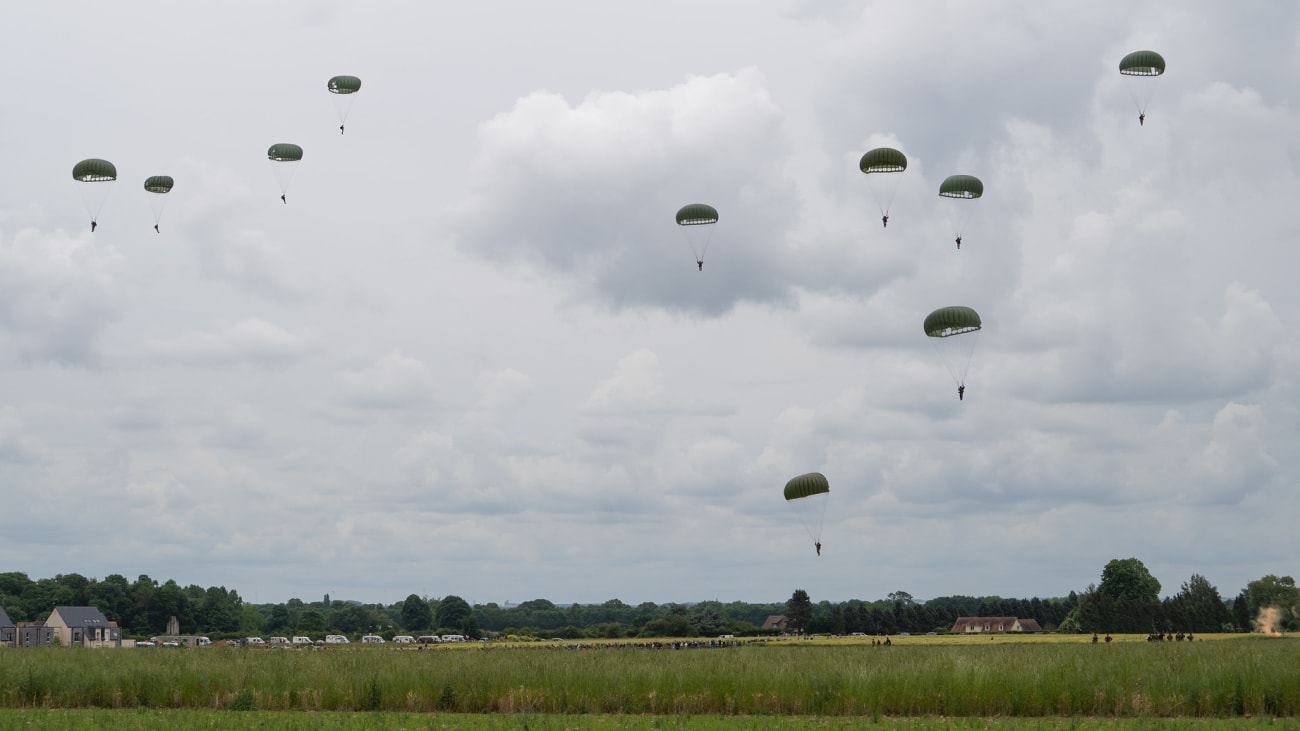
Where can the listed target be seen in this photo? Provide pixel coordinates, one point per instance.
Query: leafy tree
(279, 619)
(837, 620)
(452, 611)
(1128, 579)
(1279, 592)
(1197, 607)
(312, 621)
(798, 611)
(1127, 600)
(416, 613)
(707, 620)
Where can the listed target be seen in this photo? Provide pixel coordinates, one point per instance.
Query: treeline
(1126, 600)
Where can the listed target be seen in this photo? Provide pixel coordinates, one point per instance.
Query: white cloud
(394, 381)
(58, 295)
(252, 341)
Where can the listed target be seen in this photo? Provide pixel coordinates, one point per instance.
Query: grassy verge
(1237, 678)
(158, 720)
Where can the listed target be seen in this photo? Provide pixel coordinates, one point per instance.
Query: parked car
(278, 641)
(202, 641)
(404, 639)
(143, 643)
(372, 640)
(336, 640)
(301, 640)
(254, 641)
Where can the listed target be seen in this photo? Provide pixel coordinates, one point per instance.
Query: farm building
(976, 625)
(777, 622)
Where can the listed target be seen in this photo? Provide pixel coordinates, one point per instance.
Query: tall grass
(1202, 679)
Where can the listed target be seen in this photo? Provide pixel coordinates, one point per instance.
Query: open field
(1226, 678)
(153, 720)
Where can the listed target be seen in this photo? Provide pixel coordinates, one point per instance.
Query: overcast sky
(473, 353)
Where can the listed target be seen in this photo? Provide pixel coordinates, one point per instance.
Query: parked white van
(300, 640)
(336, 640)
(372, 640)
(254, 641)
(202, 641)
(404, 639)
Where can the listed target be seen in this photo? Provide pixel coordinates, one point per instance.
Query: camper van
(372, 640)
(301, 640)
(336, 640)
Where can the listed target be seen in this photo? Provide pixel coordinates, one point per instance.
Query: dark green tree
(451, 612)
(416, 614)
(1276, 592)
(798, 611)
(311, 621)
(1197, 607)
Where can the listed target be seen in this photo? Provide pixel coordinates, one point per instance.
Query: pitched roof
(4, 619)
(82, 616)
(995, 624)
(775, 621)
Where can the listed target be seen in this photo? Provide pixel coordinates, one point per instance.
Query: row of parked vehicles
(302, 641)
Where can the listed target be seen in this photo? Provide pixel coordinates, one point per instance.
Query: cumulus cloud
(58, 295)
(590, 190)
(393, 381)
(253, 340)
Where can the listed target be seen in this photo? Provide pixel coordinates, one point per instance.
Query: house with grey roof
(83, 626)
(7, 629)
(33, 634)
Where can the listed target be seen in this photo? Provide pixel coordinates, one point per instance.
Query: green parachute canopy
(961, 186)
(284, 152)
(948, 321)
(1142, 63)
(159, 183)
(883, 160)
(804, 486)
(94, 170)
(344, 85)
(696, 214)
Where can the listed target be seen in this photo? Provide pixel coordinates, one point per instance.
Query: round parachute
(343, 88)
(883, 160)
(808, 495)
(1142, 68)
(883, 187)
(956, 189)
(952, 330)
(95, 179)
(1142, 63)
(345, 85)
(94, 170)
(961, 186)
(946, 322)
(696, 214)
(813, 483)
(160, 185)
(696, 221)
(284, 152)
(284, 157)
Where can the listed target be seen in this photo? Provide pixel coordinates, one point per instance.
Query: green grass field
(1036, 681)
(152, 720)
